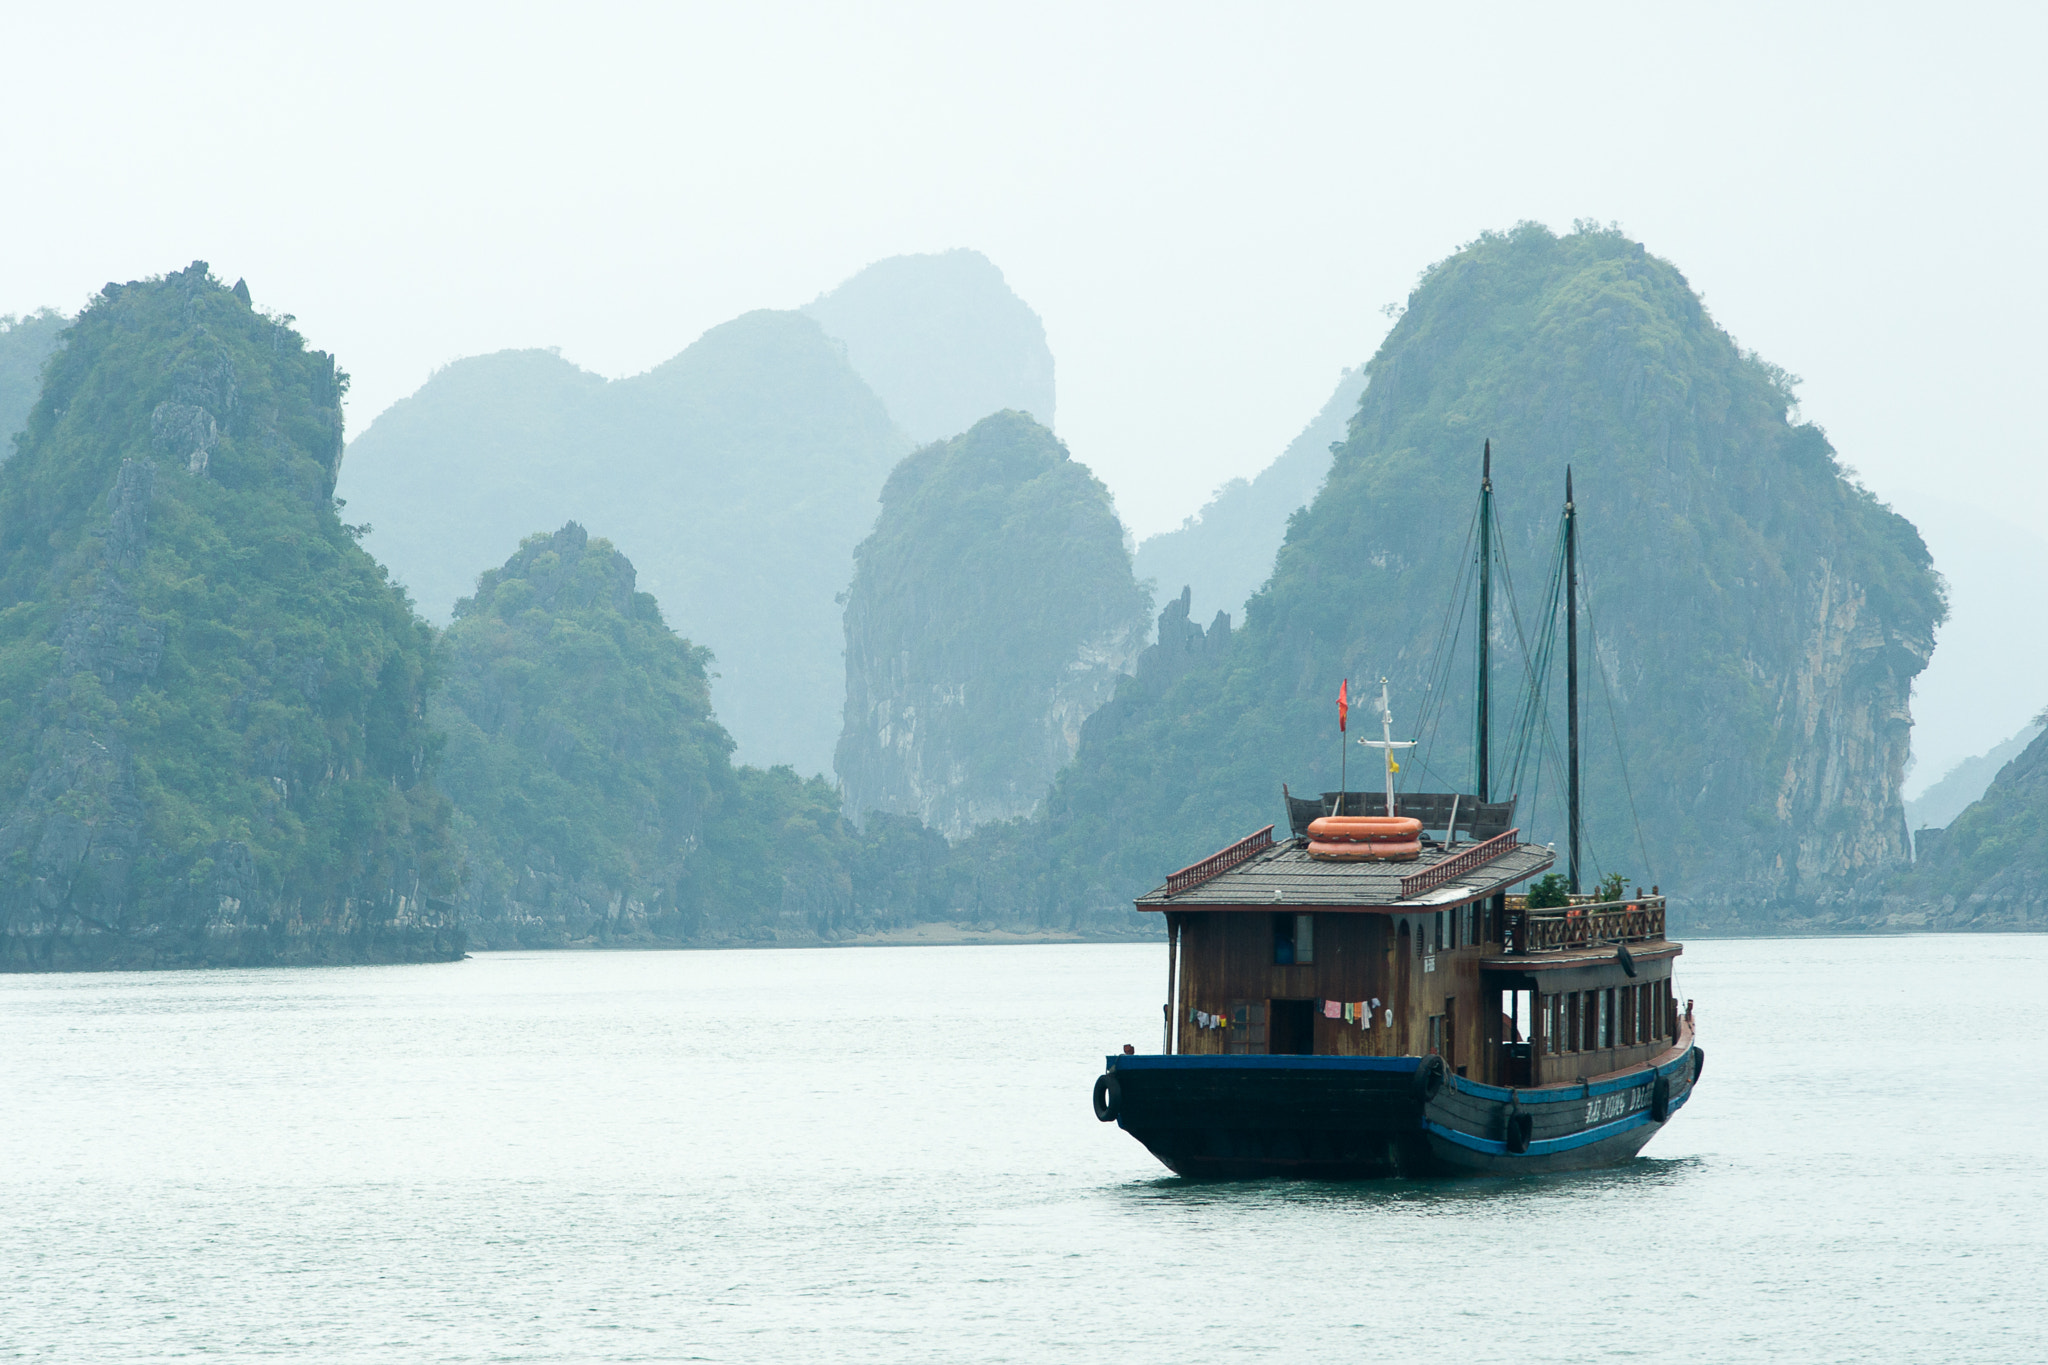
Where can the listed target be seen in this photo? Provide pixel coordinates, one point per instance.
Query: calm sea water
(888, 1154)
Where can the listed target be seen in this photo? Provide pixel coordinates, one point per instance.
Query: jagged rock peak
(563, 571)
(214, 744)
(1754, 616)
(992, 611)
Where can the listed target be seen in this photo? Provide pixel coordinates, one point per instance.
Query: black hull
(1363, 1118)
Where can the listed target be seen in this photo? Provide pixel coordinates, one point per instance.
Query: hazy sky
(1208, 206)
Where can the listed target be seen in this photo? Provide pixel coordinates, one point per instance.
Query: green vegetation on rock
(580, 747)
(25, 343)
(1757, 618)
(594, 790)
(212, 701)
(992, 611)
(737, 476)
(1989, 868)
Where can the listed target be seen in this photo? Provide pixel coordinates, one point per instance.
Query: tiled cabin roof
(1300, 880)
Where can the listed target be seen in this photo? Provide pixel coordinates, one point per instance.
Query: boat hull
(1361, 1118)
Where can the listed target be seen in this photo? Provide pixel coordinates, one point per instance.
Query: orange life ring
(1354, 851)
(1398, 829)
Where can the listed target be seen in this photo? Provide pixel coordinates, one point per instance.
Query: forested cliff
(992, 611)
(594, 791)
(25, 343)
(1757, 619)
(738, 476)
(1988, 869)
(212, 703)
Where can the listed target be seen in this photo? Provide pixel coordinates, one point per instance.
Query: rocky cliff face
(1987, 870)
(992, 611)
(1755, 619)
(213, 700)
(581, 750)
(594, 794)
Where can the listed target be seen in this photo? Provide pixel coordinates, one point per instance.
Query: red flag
(1343, 703)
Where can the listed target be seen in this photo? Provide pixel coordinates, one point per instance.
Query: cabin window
(1294, 939)
(1550, 1011)
(1575, 1026)
(1624, 1020)
(1436, 1034)
(1605, 1005)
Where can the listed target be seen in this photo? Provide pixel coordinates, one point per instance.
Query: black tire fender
(1699, 1063)
(1660, 1099)
(1521, 1127)
(1429, 1078)
(1109, 1096)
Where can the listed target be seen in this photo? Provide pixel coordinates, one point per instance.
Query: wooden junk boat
(1356, 1017)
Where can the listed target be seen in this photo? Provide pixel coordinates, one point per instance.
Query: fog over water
(888, 1154)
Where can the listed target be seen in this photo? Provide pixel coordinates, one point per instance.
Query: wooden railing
(1585, 926)
(1457, 865)
(1194, 874)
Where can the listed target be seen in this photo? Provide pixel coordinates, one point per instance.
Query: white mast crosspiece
(1387, 743)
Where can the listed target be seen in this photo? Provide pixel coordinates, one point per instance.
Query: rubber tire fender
(1521, 1128)
(1109, 1096)
(1429, 1078)
(1660, 1099)
(1699, 1062)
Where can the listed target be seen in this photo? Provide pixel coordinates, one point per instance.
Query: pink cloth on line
(1333, 1009)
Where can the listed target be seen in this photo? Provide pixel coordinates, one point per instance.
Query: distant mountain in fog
(943, 340)
(25, 343)
(1989, 674)
(1963, 784)
(1989, 868)
(1225, 551)
(738, 477)
(991, 613)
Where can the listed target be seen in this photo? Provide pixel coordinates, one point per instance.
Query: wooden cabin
(1271, 951)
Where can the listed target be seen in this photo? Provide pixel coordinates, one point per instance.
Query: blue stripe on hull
(1550, 1146)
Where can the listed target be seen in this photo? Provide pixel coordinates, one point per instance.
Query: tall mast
(1485, 610)
(1571, 669)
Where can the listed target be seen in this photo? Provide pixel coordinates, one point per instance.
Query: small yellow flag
(1395, 766)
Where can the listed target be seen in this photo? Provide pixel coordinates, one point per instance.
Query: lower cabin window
(1294, 939)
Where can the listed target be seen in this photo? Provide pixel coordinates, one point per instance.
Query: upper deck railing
(1585, 923)
(1457, 865)
(1194, 874)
